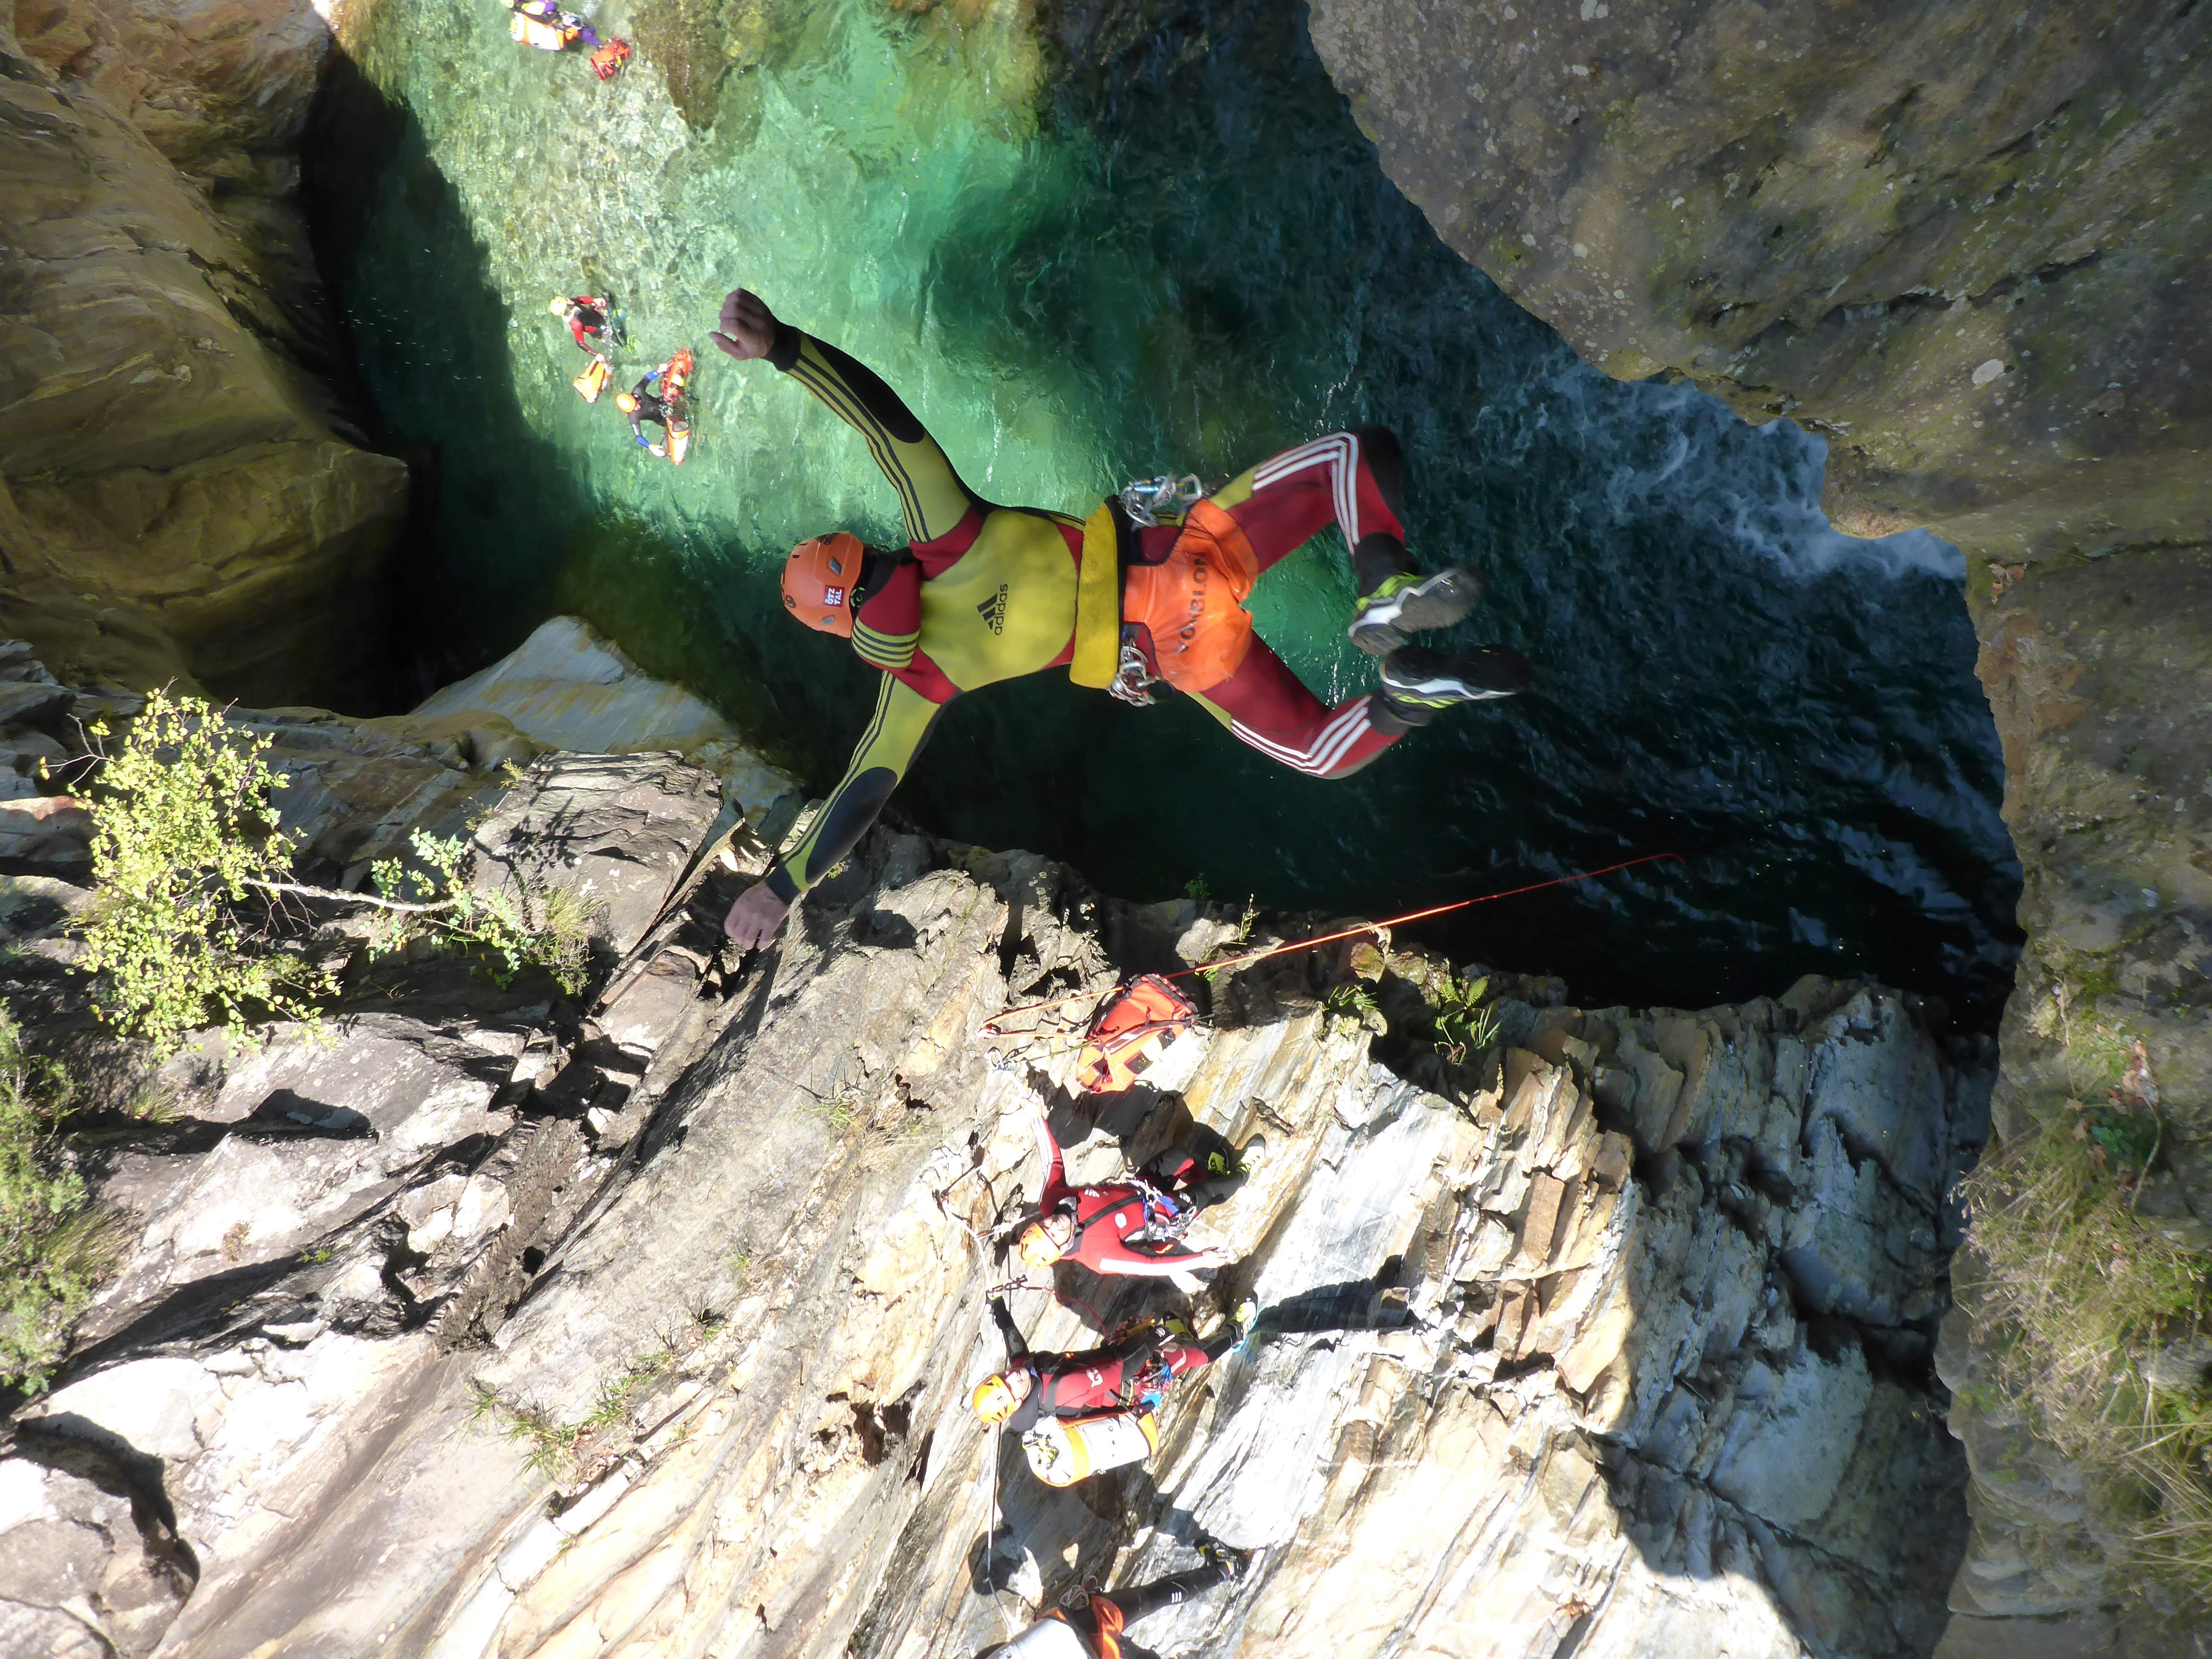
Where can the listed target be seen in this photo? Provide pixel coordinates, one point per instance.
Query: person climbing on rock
(1131, 1372)
(1091, 1627)
(983, 593)
(1135, 1226)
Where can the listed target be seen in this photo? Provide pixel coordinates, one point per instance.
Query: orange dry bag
(1128, 1036)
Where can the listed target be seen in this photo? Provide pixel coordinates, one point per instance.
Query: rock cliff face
(505, 1325)
(1968, 246)
(171, 474)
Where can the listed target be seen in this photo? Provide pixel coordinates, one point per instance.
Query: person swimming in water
(645, 402)
(590, 318)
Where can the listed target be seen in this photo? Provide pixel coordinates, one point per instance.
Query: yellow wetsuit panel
(1006, 607)
(1097, 656)
(931, 495)
(886, 748)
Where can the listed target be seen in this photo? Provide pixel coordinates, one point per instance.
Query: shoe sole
(1442, 599)
(1445, 694)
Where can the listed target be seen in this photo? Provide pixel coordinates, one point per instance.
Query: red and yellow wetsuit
(990, 593)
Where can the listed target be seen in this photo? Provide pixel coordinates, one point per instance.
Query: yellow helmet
(625, 403)
(997, 1396)
(1039, 1247)
(556, 307)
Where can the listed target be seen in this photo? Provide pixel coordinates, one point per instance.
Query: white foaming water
(1671, 449)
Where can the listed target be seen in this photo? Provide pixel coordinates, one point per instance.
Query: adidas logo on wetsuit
(992, 610)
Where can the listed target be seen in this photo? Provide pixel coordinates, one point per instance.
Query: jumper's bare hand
(748, 327)
(755, 917)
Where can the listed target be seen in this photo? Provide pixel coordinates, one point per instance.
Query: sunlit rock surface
(171, 478)
(1623, 1342)
(1968, 248)
(568, 687)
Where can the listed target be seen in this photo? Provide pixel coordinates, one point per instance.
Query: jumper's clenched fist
(755, 917)
(748, 327)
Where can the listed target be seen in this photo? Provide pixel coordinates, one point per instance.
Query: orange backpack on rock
(1128, 1035)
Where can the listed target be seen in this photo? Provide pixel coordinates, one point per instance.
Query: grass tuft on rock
(53, 1248)
(2100, 1329)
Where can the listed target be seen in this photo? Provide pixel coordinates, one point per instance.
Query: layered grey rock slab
(1628, 1349)
(1960, 243)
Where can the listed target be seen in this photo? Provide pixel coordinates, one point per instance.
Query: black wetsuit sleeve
(895, 735)
(1142, 1599)
(931, 495)
(1016, 1347)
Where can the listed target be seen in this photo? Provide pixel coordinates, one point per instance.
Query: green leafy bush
(184, 849)
(548, 928)
(1464, 1028)
(185, 927)
(52, 1250)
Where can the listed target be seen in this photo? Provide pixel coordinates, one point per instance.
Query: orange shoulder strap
(1108, 1615)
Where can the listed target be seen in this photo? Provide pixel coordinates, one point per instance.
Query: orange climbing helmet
(818, 579)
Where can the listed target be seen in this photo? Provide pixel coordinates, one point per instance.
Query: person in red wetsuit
(1132, 1373)
(1090, 1626)
(1126, 1226)
(587, 315)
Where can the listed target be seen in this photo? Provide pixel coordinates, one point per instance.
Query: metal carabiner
(1143, 499)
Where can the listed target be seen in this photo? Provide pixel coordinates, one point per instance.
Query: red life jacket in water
(607, 61)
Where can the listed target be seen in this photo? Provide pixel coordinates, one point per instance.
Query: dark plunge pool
(1186, 260)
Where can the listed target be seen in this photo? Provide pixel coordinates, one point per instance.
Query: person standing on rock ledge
(1091, 1628)
(1131, 1372)
(1131, 1228)
(983, 593)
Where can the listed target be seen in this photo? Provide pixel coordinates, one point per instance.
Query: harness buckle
(1132, 678)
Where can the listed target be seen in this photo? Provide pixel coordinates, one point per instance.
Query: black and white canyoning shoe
(1419, 684)
(1410, 603)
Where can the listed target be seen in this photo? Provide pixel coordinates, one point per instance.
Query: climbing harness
(1129, 1034)
(1164, 1218)
(1145, 498)
(1123, 1025)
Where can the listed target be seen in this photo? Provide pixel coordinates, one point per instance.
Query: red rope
(990, 1024)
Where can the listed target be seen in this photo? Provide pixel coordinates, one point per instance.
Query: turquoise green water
(1188, 263)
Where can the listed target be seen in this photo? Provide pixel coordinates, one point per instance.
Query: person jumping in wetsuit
(984, 592)
(1131, 1374)
(1092, 1629)
(587, 317)
(1129, 1227)
(643, 403)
